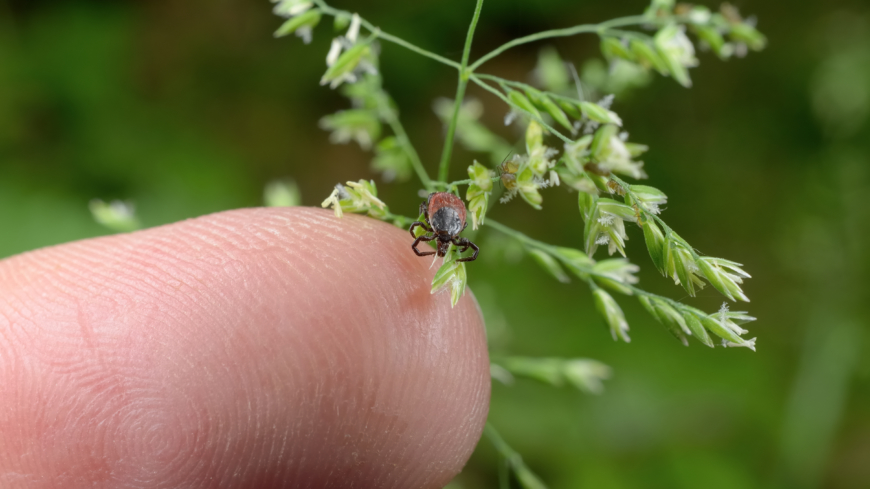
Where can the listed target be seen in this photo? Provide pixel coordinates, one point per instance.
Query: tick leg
(424, 209)
(421, 224)
(417, 241)
(461, 244)
(465, 244)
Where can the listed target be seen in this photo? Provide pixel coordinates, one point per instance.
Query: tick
(444, 214)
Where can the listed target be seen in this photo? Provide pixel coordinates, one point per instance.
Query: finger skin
(253, 348)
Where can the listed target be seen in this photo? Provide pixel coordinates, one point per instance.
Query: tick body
(444, 215)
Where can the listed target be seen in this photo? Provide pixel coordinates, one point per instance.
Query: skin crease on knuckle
(251, 348)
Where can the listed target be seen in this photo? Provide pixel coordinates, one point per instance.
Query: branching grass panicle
(573, 140)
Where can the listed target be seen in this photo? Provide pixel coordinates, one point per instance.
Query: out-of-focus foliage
(192, 107)
(116, 215)
(282, 193)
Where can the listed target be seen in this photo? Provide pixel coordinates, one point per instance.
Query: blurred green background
(191, 107)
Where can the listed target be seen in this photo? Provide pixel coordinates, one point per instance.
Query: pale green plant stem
(553, 250)
(511, 457)
(495, 438)
(460, 94)
(505, 81)
(326, 9)
(627, 34)
(675, 304)
(570, 31)
(506, 100)
(467, 181)
(524, 86)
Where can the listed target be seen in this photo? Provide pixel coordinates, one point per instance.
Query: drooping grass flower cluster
(573, 140)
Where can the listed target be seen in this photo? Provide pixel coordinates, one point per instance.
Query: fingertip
(281, 347)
